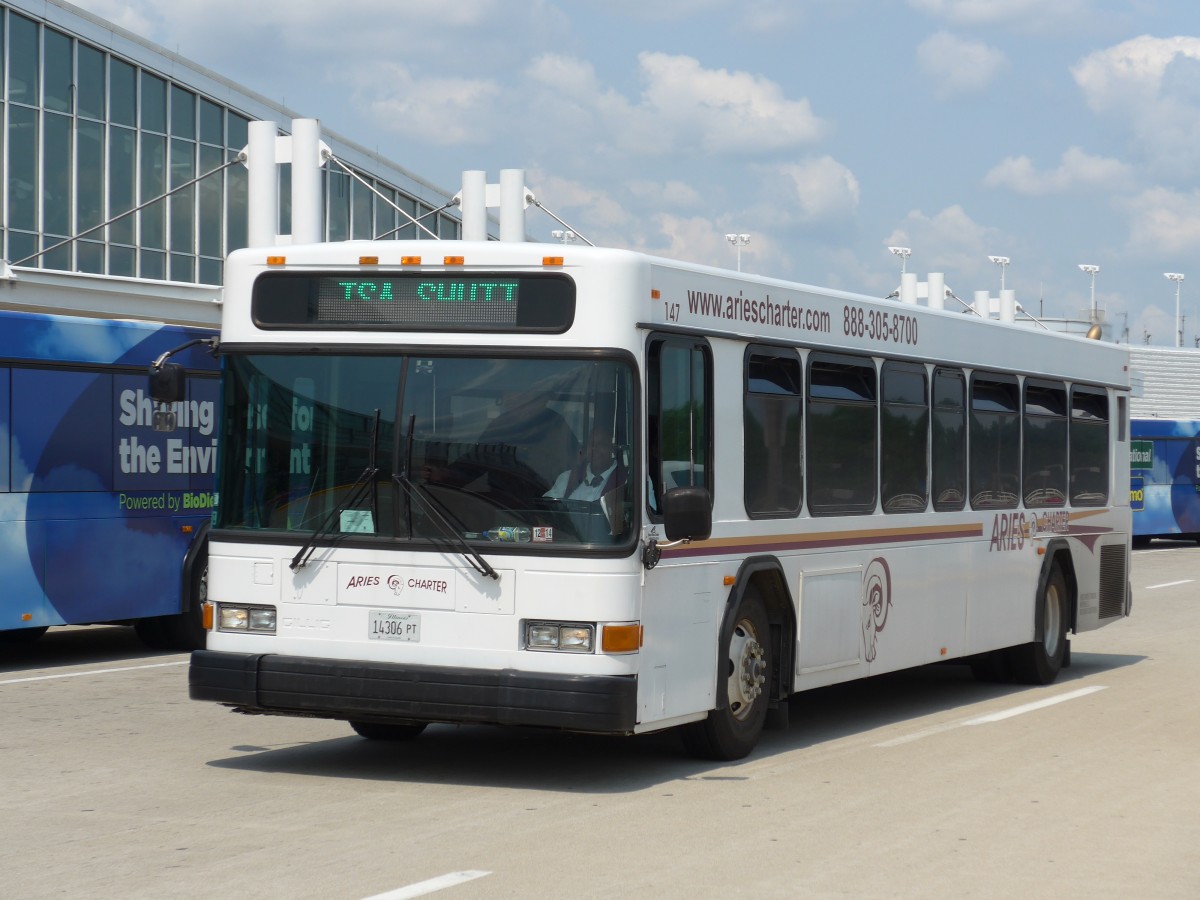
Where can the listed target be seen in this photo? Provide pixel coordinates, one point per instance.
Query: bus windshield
(492, 449)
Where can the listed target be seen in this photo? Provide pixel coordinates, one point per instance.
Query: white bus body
(855, 529)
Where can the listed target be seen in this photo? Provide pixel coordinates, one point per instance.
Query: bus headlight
(571, 637)
(259, 619)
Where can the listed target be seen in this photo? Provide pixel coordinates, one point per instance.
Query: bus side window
(679, 416)
(842, 433)
(772, 407)
(1044, 449)
(995, 441)
(1088, 440)
(949, 439)
(904, 437)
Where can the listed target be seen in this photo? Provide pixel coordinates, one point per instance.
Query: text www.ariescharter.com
(760, 312)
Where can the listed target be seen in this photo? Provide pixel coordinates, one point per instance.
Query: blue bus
(102, 517)
(1164, 489)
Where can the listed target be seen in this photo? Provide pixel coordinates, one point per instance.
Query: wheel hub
(748, 678)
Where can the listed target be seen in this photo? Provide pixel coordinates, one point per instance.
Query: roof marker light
(368, 260)
(276, 260)
(455, 260)
(552, 260)
(410, 260)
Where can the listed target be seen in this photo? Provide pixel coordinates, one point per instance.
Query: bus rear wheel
(1040, 661)
(388, 731)
(732, 731)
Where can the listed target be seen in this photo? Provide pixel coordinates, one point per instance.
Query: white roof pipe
(308, 217)
(908, 287)
(262, 185)
(982, 305)
(1008, 305)
(473, 203)
(937, 290)
(512, 205)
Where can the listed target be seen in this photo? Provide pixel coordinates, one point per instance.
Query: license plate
(393, 626)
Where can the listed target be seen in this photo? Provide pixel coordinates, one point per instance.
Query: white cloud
(1132, 72)
(1077, 171)
(1024, 14)
(949, 241)
(296, 23)
(750, 15)
(1164, 223)
(822, 190)
(565, 197)
(958, 66)
(694, 239)
(441, 111)
(1147, 86)
(725, 112)
(684, 108)
(668, 195)
(130, 16)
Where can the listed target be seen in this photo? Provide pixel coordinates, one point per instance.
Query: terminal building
(98, 122)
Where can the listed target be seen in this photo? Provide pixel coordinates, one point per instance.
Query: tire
(1040, 661)
(732, 731)
(388, 731)
(186, 630)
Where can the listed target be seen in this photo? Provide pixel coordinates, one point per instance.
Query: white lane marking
(421, 888)
(1153, 587)
(993, 717)
(1037, 704)
(182, 662)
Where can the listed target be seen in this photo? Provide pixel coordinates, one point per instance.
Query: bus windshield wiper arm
(362, 484)
(356, 492)
(414, 492)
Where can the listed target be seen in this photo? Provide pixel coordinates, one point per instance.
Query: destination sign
(415, 301)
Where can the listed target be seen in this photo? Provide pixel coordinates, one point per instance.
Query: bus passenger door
(681, 608)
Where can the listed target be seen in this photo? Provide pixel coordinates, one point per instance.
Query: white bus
(588, 489)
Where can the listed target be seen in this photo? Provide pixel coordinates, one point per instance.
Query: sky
(1052, 132)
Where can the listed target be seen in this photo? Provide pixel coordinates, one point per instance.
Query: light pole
(739, 241)
(904, 253)
(1176, 277)
(1002, 262)
(1091, 270)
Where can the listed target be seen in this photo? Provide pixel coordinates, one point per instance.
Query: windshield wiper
(362, 484)
(439, 516)
(431, 507)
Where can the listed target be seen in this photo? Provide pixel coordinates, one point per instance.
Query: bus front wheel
(1039, 661)
(731, 731)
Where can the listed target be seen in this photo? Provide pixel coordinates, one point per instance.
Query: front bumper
(350, 689)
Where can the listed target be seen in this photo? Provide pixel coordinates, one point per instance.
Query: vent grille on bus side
(1112, 581)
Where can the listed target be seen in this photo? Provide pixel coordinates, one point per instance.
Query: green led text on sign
(1141, 454)
(433, 291)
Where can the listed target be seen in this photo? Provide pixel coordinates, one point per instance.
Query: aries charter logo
(877, 600)
(396, 583)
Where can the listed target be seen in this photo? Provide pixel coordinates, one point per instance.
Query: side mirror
(167, 383)
(687, 514)
(167, 387)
